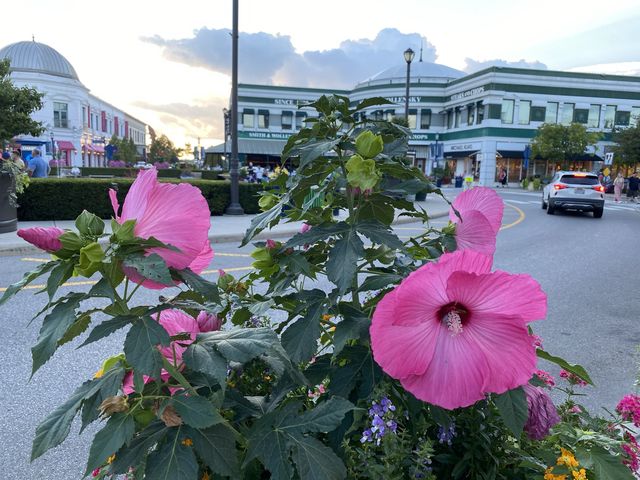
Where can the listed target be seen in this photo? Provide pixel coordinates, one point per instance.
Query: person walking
(17, 159)
(618, 184)
(634, 186)
(503, 178)
(38, 167)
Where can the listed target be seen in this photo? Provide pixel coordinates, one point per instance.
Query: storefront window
(425, 119)
(300, 117)
(609, 116)
(594, 116)
(538, 114)
(567, 113)
(525, 112)
(287, 120)
(635, 116)
(480, 115)
(622, 119)
(263, 118)
(552, 113)
(60, 115)
(247, 118)
(449, 118)
(413, 118)
(581, 115)
(388, 115)
(470, 114)
(506, 114)
(458, 117)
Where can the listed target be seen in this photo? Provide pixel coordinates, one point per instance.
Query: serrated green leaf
(513, 409)
(108, 388)
(140, 346)
(377, 207)
(300, 339)
(314, 149)
(354, 325)
(206, 360)
(264, 220)
(173, 460)
(380, 281)
(103, 289)
(123, 232)
(77, 328)
(207, 289)
(119, 430)
(27, 279)
(342, 262)
(323, 417)
(152, 267)
(316, 461)
(134, 453)
(371, 102)
(603, 464)
(59, 274)
(216, 446)
(378, 233)
(359, 372)
(240, 345)
(89, 224)
(107, 327)
(296, 264)
(569, 367)
(317, 233)
(196, 411)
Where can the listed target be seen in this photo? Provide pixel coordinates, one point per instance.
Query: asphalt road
(588, 267)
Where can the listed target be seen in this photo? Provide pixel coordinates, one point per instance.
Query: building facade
(78, 125)
(477, 124)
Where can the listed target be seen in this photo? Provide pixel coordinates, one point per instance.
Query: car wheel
(551, 209)
(544, 204)
(597, 213)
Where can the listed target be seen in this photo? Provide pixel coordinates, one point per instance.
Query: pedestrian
(503, 178)
(634, 185)
(618, 183)
(37, 166)
(468, 181)
(17, 159)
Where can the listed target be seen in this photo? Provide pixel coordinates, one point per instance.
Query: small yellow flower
(326, 317)
(332, 329)
(579, 475)
(567, 459)
(99, 373)
(187, 442)
(548, 475)
(111, 458)
(267, 377)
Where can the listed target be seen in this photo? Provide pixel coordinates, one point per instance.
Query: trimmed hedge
(65, 198)
(120, 172)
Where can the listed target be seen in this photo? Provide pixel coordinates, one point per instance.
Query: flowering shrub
(117, 163)
(414, 360)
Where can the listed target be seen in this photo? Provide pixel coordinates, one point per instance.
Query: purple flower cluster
(382, 421)
(445, 435)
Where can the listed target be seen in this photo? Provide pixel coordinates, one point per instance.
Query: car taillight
(599, 188)
(559, 186)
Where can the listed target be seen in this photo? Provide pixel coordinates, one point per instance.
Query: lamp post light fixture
(226, 114)
(234, 207)
(437, 151)
(408, 57)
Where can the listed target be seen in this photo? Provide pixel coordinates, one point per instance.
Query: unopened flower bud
(208, 322)
(271, 244)
(112, 405)
(170, 417)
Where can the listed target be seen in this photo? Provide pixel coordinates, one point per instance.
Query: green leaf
(316, 461)
(90, 261)
(355, 325)
(300, 339)
(140, 346)
(378, 281)
(103, 289)
(196, 411)
(371, 102)
(54, 327)
(152, 267)
(296, 264)
(107, 327)
(377, 207)
(317, 233)
(207, 289)
(108, 388)
(173, 460)
(360, 372)
(323, 417)
(27, 279)
(240, 345)
(604, 465)
(206, 360)
(54, 429)
(71, 243)
(342, 262)
(379, 233)
(513, 409)
(123, 232)
(569, 367)
(313, 150)
(118, 431)
(368, 144)
(266, 219)
(77, 328)
(59, 274)
(216, 446)
(89, 224)
(135, 452)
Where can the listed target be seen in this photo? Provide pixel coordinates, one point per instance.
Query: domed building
(477, 124)
(78, 124)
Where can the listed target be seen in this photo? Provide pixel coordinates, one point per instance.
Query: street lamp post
(225, 113)
(408, 57)
(234, 208)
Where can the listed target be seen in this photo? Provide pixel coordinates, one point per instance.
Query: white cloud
(476, 65)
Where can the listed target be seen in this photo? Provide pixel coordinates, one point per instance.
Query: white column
(488, 164)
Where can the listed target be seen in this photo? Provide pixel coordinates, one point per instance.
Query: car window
(579, 180)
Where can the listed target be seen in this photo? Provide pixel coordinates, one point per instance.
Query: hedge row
(65, 198)
(120, 172)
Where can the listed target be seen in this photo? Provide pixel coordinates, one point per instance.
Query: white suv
(574, 191)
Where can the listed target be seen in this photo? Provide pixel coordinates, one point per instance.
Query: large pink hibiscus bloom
(481, 210)
(453, 330)
(175, 214)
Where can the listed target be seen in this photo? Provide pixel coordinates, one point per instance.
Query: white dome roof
(418, 70)
(39, 58)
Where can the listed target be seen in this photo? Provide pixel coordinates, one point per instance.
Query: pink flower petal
(113, 196)
(474, 232)
(483, 199)
(499, 293)
(45, 238)
(135, 203)
(401, 350)
(203, 259)
(176, 322)
(208, 322)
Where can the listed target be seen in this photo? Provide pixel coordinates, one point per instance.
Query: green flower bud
(368, 144)
(362, 173)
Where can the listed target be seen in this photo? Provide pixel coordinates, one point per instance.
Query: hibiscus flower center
(454, 316)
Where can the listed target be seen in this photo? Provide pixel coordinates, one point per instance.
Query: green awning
(252, 147)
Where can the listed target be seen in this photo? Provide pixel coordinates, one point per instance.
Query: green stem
(132, 292)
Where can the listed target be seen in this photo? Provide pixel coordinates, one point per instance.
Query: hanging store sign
(265, 135)
(467, 93)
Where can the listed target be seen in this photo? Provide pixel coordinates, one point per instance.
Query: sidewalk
(226, 228)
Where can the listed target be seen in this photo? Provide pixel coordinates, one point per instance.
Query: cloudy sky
(168, 63)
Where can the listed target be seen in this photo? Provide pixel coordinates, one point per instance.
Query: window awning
(252, 147)
(98, 148)
(65, 145)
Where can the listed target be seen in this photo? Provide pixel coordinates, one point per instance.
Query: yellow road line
(33, 259)
(234, 269)
(520, 217)
(217, 254)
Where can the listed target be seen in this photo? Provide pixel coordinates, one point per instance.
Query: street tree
(627, 150)
(163, 150)
(16, 106)
(562, 143)
(125, 149)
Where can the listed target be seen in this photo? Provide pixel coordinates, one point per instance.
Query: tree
(562, 143)
(163, 150)
(627, 150)
(125, 149)
(16, 107)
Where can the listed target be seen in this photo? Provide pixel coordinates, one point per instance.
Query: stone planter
(8, 214)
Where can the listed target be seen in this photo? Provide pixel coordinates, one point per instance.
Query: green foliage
(163, 150)
(627, 150)
(560, 143)
(125, 149)
(17, 106)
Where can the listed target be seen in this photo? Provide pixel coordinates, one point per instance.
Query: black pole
(406, 98)
(234, 207)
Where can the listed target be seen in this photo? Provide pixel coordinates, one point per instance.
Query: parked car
(144, 165)
(574, 191)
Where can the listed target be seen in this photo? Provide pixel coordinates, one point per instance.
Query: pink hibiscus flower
(453, 330)
(175, 214)
(481, 210)
(41, 237)
(176, 322)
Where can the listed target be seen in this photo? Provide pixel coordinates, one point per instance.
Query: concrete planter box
(8, 214)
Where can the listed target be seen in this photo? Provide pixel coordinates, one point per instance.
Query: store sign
(468, 93)
(286, 101)
(402, 99)
(265, 135)
(463, 146)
